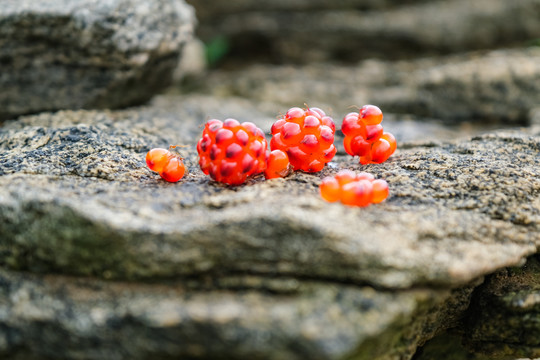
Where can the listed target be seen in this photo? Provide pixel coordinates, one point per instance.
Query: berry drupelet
(169, 166)
(277, 164)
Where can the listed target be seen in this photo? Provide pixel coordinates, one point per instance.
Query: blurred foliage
(534, 42)
(216, 49)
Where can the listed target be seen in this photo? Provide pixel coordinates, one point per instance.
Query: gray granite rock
(504, 319)
(501, 322)
(51, 317)
(76, 197)
(87, 54)
(266, 270)
(501, 86)
(494, 87)
(352, 30)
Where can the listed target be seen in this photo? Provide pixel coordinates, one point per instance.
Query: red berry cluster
(354, 189)
(307, 136)
(169, 166)
(230, 152)
(302, 139)
(364, 136)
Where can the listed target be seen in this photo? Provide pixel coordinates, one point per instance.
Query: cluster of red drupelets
(302, 139)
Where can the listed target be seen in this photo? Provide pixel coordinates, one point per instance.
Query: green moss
(216, 49)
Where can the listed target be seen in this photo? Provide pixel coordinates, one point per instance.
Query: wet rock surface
(295, 31)
(87, 54)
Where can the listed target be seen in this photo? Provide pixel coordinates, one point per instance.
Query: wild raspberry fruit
(365, 137)
(277, 164)
(169, 166)
(354, 189)
(230, 152)
(307, 136)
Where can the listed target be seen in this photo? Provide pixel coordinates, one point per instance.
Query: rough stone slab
(284, 33)
(75, 197)
(499, 86)
(214, 8)
(504, 320)
(87, 54)
(480, 87)
(61, 317)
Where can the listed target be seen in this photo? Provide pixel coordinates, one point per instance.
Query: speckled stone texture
(266, 270)
(501, 323)
(285, 319)
(504, 319)
(497, 86)
(456, 212)
(304, 31)
(70, 54)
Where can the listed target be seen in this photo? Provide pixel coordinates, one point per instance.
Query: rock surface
(501, 322)
(286, 31)
(498, 87)
(504, 318)
(87, 54)
(81, 175)
(267, 270)
(89, 319)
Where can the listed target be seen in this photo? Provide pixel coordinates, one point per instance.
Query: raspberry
(277, 164)
(169, 166)
(365, 137)
(307, 136)
(230, 152)
(354, 189)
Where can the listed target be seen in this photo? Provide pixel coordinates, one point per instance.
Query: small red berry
(170, 167)
(371, 114)
(364, 136)
(391, 140)
(345, 176)
(374, 132)
(380, 191)
(330, 189)
(307, 136)
(230, 152)
(157, 158)
(353, 189)
(380, 151)
(277, 165)
(357, 193)
(174, 170)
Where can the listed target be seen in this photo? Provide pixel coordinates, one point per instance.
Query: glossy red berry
(157, 158)
(380, 191)
(330, 189)
(357, 193)
(230, 152)
(353, 189)
(365, 137)
(170, 167)
(277, 164)
(173, 171)
(307, 136)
